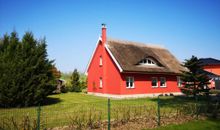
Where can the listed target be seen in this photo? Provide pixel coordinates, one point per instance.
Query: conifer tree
(25, 71)
(195, 79)
(75, 81)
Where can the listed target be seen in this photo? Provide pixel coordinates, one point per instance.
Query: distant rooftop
(209, 61)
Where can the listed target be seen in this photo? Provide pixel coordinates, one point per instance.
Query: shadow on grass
(45, 102)
(204, 105)
(174, 99)
(50, 101)
(181, 100)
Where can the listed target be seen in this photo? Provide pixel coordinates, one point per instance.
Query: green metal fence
(106, 114)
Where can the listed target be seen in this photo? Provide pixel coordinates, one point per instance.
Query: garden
(82, 111)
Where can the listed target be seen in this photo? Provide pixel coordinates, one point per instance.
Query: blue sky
(72, 27)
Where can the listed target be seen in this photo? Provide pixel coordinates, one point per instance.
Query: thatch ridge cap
(141, 44)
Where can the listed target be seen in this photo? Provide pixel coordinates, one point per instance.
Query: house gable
(93, 54)
(94, 70)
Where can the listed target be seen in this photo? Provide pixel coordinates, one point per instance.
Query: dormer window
(147, 61)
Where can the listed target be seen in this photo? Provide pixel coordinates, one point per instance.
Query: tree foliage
(78, 81)
(195, 79)
(75, 82)
(83, 81)
(56, 72)
(25, 71)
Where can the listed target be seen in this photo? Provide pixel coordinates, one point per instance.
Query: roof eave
(90, 60)
(113, 58)
(144, 72)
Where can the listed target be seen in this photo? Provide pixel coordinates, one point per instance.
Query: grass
(58, 109)
(193, 125)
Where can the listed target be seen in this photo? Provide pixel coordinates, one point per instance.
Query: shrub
(84, 90)
(63, 89)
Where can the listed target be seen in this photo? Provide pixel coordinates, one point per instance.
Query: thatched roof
(129, 54)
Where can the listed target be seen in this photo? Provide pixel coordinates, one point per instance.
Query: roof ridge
(208, 58)
(151, 45)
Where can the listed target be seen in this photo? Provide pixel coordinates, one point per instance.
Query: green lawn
(193, 125)
(61, 109)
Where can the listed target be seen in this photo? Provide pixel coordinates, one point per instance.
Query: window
(130, 82)
(154, 82)
(179, 81)
(100, 61)
(162, 82)
(147, 61)
(100, 82)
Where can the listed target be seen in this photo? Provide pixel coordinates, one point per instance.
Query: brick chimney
(103, 33)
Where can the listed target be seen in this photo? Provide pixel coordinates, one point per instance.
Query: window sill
(130, 87)
(154, 86)
(163, 86)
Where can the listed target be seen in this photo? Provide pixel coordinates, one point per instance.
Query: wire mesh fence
(106, 115)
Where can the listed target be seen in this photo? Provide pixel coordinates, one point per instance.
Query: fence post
(109, 114)
(158, 110)
(38, 117)
(197, 110)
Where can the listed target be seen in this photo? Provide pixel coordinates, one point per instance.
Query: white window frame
(130, 81)
(165, 85)
(148, 61)
(152, 82)
(179, 81)
(100, 82)
(100, 61)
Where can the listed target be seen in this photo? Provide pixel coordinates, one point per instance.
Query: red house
(212, 67)
(129, 69)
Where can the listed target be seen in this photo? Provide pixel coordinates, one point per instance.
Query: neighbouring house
(211, 67)
(123, 69)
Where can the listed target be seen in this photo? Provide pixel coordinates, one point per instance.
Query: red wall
(142, 83)
(95, 71)
(213, 69)
(112, 78)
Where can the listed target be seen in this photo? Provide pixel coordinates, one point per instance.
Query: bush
(63, 89)
(214, 91)
(84, 90)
